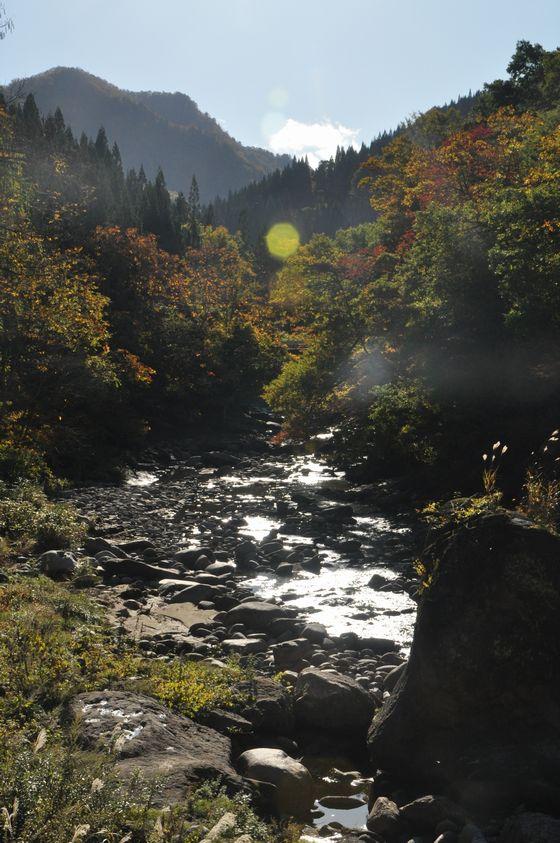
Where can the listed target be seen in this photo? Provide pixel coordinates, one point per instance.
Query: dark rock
(480, 696)
(425, 813)
(136, 569)
(531, 828)
(384, 819)
(136, 545)
(314, 632)
(189, 556)
(97, 544)
(268, 706)
(150, 740)
(289, 654)
(332, 702)
(393, 677)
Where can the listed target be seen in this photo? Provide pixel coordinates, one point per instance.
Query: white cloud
(316, 140)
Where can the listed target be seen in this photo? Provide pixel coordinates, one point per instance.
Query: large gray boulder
(151, 740)
(293, 785)
(480, 696)
(332, 702)
(255, 615)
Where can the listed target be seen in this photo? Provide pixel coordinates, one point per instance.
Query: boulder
(137, 570)
(531, 828)
(255, 615)
(289, 654)
(293, 785)
(150, 740)
(188, 556)
(314, 632)
(244, 646)
(384, 819)
(57, 563)
(268, 707)
(332, 702)
(480, 696)
(97, 544)
(426, 813)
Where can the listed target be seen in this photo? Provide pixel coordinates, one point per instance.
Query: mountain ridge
(152, 129)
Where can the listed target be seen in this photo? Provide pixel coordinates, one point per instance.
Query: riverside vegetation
(129, 321)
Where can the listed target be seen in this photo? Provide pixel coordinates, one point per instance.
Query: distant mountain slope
(152, 129)
(329, 197)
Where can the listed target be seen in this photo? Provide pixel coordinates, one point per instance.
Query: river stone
(314, 632)
(255, 615)
(244, 646)
(332, 702)
(384, 819)
(289, 654)
(57, 562)
(151, 740)
(188, 556)
(292, 781)
(480, 696)
(531, 828)
(268, 707)
(97, 544)
(136, 569)
(426, 813)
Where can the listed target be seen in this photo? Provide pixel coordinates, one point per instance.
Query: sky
(296, 76)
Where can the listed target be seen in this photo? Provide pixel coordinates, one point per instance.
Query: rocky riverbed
(245, 548)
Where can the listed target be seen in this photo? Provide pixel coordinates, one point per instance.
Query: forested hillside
(119, 310)
(435, 329)
(125, 310)
(152, 129)
(321, 200)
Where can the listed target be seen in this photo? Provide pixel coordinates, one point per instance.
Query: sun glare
(282, 240)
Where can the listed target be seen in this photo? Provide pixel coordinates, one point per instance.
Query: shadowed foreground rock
(480, 697)
(149, 739)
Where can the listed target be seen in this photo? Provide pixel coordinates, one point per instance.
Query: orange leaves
(138, 370)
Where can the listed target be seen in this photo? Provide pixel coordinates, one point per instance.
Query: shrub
(29, 519)
(192, 688)
(53, 793)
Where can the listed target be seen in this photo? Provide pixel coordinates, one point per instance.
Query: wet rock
(384, 819)
(151, 740)
(293, 785)
(332, 702)
(531, 828)
(57, 563)
(481, 692)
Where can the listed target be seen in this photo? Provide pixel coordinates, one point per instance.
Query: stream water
(189, 502)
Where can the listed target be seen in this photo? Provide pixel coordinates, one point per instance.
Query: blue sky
(294, 75)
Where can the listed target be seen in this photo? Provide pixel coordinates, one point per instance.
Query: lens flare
(282, 240)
